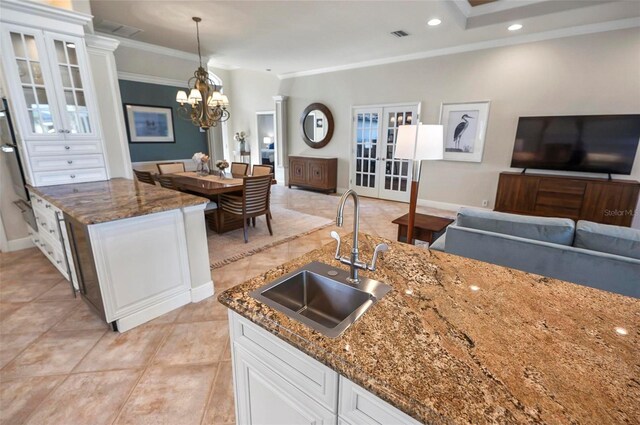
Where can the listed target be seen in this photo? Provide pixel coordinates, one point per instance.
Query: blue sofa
(597, 255)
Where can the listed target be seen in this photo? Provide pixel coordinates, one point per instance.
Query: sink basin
(321, 297)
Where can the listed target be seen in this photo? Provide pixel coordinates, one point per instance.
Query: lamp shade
(420, 142)
(266, 140)
(181, 97)
(195, 95)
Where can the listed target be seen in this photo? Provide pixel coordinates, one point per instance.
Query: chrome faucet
(353, 260)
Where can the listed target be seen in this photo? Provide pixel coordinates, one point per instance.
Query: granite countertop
(462, 341)
(115, 199)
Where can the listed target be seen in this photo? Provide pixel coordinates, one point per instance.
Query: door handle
(67, 147)
(69, 162)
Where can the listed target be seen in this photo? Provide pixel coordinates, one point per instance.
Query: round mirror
(316, 124)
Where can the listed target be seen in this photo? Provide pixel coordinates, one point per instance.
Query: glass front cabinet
(48, 77)
(51, 96)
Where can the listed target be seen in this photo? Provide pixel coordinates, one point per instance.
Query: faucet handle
(336, 236)
(381, 247)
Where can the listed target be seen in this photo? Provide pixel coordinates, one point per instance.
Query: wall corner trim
(151, 79)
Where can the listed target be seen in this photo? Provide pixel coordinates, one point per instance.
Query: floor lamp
(417, 143)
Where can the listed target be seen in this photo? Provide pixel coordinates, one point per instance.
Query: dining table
(212, 186)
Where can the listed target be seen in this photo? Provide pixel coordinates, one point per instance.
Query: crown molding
(152, 48)
(101, 42)
(166, 51)
(483, 45)
(150, 79)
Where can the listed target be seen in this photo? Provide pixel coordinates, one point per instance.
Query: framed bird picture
(465, 127)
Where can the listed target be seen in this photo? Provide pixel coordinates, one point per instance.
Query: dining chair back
(167, 182)
(261, 170)
(254, 202)
(239, 169)
(170, 167)
(144, 176)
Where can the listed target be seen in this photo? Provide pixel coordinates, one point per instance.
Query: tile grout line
(143, 372)
(211, 391)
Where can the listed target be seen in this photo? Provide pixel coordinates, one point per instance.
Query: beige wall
(592, 74)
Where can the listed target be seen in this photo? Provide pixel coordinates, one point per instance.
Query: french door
(375, 172)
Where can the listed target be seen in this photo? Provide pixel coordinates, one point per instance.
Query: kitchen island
(137, 250)
(455, 341)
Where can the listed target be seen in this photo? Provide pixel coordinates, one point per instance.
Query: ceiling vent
(115, 28)
(400, 33)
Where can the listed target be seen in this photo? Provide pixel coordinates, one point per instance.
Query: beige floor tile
(129, 350)
(60, 291)
(7, 308)
(81, 318)
(55, 353)
(205, 310)
(21, 397)
(169, 395)
(12, 344)
(37, 316)
(20, 292)
(86, 399)
(199, 342)
(220, 409)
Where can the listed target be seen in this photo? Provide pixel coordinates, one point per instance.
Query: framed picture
(465, 127)
(149, 124)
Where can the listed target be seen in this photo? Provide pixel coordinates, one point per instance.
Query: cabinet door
(610, 203)
(318, 174)
(264, 397)
(30, 83)
(70, 73)
(298, 171)
(517, 193)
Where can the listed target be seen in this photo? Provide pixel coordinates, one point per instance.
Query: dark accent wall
(189, 139)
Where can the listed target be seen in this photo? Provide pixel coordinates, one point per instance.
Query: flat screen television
(587, 143)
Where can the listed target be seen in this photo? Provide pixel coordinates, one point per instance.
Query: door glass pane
(36, 73)
(64, 74)
(29, 97)
(42, 96)
(69, 99)
(32, 49)
(75, 74)
(71, 53)
(18, 45)
(23, 70)
(366, 140)
(60, 54)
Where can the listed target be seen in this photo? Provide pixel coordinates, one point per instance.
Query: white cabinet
(51, 92)
(49, 80)
(278, 384)
(51, 237)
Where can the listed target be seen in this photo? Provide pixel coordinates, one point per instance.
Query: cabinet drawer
(573, 187)
(47, 178)
(66, 162)
(308, 375)
(358, 406)
(64, 148)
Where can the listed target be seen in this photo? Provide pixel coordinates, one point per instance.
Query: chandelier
(208, 105)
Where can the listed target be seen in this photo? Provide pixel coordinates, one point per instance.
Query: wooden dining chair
(254, 202)
(239, 169)
(167, 182)
(170, 167)
(261, 170)
(144, 176)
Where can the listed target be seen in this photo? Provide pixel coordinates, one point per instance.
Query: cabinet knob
(48, 206)
(73, 176)
(67, 147)
(69, 162)
(67, 131)
(61, 131)
(51, 231)
(50, 252)
(58, 261)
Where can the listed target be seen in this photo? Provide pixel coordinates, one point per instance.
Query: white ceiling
(295, 36)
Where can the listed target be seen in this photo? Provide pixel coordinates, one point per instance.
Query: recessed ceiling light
(514, 27)
(433, 22)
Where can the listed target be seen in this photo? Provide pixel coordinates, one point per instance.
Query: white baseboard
(150, 313)
(202, 292)
(441, 205)
(18, 244)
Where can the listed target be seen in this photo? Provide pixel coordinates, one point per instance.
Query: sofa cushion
(554, 230)
(616, 240)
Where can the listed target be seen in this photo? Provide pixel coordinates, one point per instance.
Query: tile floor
(61, 365)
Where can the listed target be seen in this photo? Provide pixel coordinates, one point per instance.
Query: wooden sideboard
(314, 173)
(578, 198)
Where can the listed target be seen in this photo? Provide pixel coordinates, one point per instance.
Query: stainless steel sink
(321, 297)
